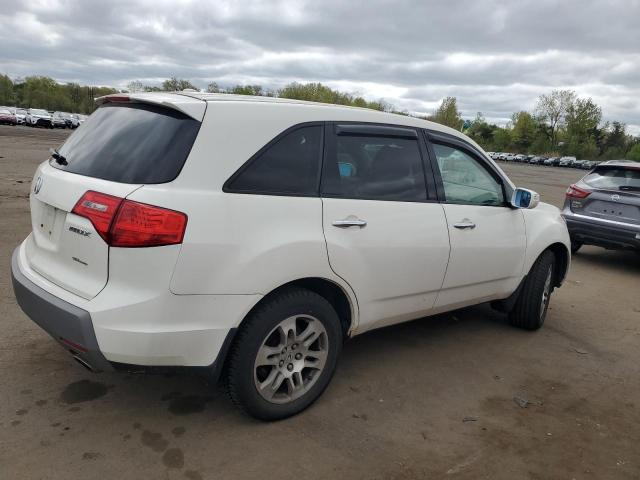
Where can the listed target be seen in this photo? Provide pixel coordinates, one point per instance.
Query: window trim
(226, 187)
(351, 129)
(446, 139)
(334, 129)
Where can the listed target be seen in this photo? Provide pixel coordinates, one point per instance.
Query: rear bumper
(69, 325)
(607, 234)
(132, 328)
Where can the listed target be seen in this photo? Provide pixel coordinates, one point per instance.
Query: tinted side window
(289, 166)
(374, 168)
(465, 179)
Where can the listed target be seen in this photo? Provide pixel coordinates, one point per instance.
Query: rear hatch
(121, 147)
(614, 194)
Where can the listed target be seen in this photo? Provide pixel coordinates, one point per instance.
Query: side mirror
(525, 198)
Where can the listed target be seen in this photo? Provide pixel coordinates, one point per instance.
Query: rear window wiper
(60, 160)
(629, 188)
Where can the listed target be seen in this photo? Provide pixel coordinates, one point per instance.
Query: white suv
(252, 236)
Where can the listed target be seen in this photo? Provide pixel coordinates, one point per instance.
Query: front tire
(530, 309)
(284, 355)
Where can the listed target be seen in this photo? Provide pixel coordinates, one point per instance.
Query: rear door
(488, 238)
(386, 234)
(117, 150)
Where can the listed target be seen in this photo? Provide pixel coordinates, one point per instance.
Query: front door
(487, 235)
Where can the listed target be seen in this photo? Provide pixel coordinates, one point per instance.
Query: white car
(251, 236)
(20, 114)
(37, 117)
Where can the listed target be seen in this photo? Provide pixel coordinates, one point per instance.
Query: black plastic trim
(374, 130)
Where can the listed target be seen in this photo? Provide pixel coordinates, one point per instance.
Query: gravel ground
(460, 395)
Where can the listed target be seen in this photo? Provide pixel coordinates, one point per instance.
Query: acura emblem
(37, 186)
(615, 197)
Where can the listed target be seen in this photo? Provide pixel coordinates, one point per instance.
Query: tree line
(562, 123)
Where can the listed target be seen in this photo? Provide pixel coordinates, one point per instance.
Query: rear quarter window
(133, 143)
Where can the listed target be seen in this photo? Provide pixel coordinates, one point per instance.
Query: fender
(545, 228)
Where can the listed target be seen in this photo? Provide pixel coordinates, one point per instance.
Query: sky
(496, 57)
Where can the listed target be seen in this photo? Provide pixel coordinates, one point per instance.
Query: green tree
(481, 131)
(177, 84)
(255, 90)
(582, 120)
(552, 109)
(524, 130)
(501, 139)
(135, 86)
(7, 95)
(447, 114)
(615, 142)
(634, 153)
(213, 88)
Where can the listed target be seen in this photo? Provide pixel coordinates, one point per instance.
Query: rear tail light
(125, 223)
(100, 208)
(577, 192)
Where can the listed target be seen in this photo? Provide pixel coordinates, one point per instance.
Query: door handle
(350, 222)
(465, 224)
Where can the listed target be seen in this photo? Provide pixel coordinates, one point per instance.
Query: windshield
(37, 111)
(4, 112)
(132, 143)
(614, 178)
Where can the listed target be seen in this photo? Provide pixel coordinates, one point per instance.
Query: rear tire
(284, 355)
(530, 309)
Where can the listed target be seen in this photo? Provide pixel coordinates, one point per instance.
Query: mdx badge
(79, 231)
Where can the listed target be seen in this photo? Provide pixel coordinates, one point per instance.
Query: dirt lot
(429, 399)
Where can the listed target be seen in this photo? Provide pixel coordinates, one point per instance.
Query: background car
(587, 165)
(537, 160)
(6, 117)
(566, 161)
(577, 163)
(58, 119)
(20, 114)
(510, 157)
(603, 208)
(37, 117)
(71, 120)
(553, 161)
(520, 158)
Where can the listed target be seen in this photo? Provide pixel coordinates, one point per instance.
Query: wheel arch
(563, 259)
(338, 296)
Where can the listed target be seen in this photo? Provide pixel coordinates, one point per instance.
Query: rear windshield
(133, 143)
(614, 178)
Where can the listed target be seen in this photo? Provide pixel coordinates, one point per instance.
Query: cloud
(495, 57)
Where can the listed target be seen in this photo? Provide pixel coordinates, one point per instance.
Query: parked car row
(570, 162)
(37, 117)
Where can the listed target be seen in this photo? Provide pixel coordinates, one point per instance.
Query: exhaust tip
(83, 363)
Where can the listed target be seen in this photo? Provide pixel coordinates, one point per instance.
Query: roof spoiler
(193, 107)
